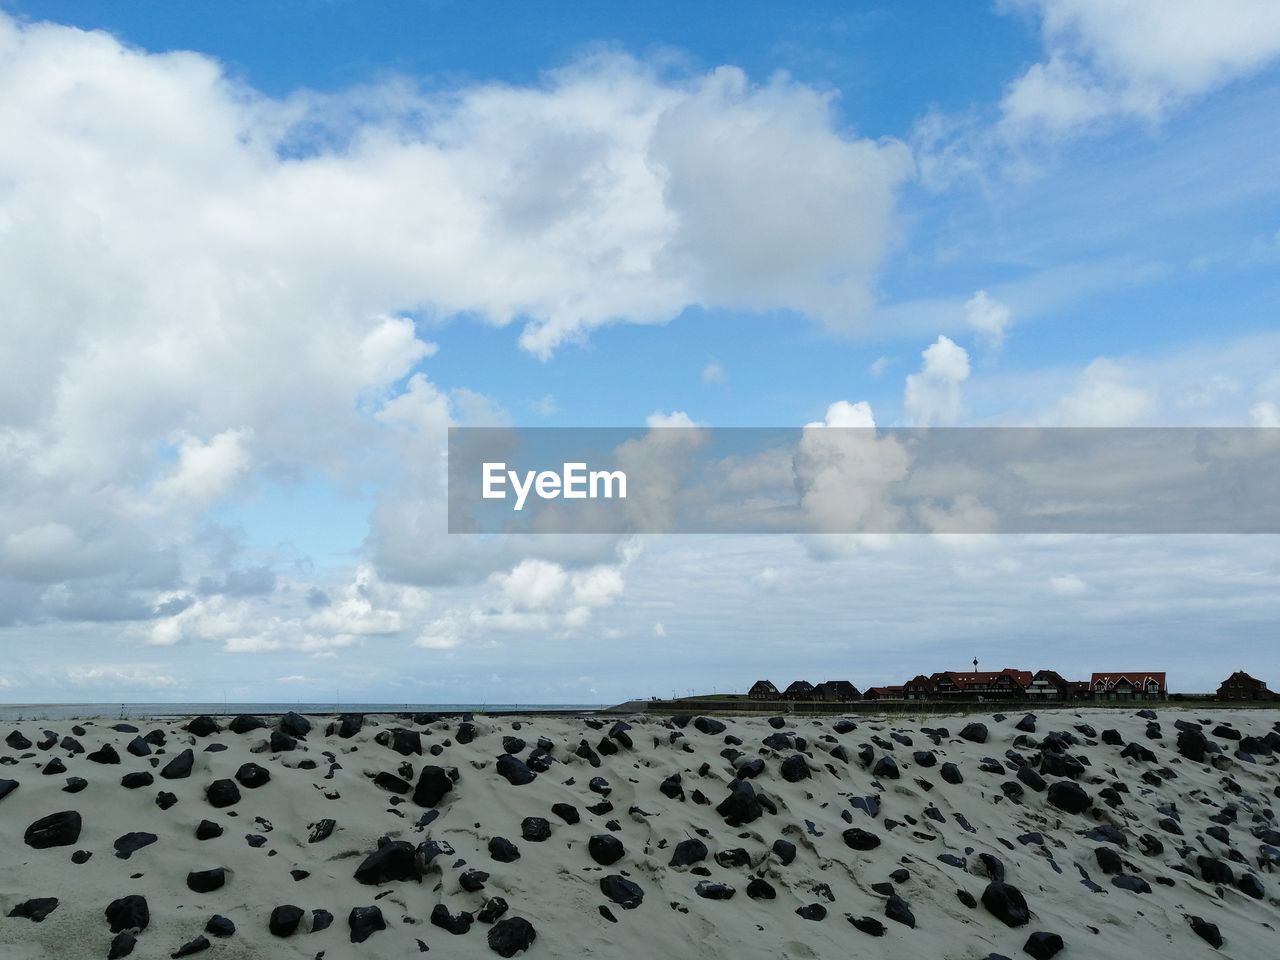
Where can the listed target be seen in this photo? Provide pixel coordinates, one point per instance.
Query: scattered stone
(35, 909)
(364, 922)
(510, 936)
(56, 830)
(284, 920)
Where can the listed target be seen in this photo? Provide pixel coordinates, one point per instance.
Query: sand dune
(896, 837)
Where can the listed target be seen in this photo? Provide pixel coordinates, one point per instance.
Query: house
(1050, 685)
(882, 693)
(763, 690)
(799, 690)
(1006, 684)
(1241, 686)
(836, 691)
(1131, 685)
(918, 687)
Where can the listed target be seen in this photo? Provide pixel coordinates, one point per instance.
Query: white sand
(555, 884)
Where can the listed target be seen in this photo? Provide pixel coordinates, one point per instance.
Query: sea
(142, 711)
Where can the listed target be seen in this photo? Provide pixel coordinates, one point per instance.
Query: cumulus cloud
(714, 372)
(989, 317)
(1104, 396)
(1108, 59)
(205, 286)
(933, 395)
(1265, 414)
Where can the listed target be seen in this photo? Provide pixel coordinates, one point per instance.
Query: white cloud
(204, 285)
(1068, 585)
(933, 395)
(1265, 414)
(989, 317)
(879, 365)
(714, 372)
(205, 471)
(1108, 59)
(1104, 397)
(659, 630)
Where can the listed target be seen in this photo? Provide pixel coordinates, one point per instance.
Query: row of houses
(1010, 684)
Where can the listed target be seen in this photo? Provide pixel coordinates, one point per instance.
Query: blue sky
(305, 237)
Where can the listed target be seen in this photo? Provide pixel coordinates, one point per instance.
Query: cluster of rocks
(1115, 811)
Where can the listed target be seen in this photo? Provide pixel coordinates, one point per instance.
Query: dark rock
(511, 935)
(206, 881)
(104, 754)
(222, 793)
(165, 799)
(391, 783)
(1109, 861)
(202, 726)
(858, 839)
(179, 767)
(56, 830)
(1006, 903)
(514, 770)
(456, 925)
(1206, 931)
(709, 726)
(74, 784)
(493, 908)
(1193, 745)
(1251, 886)
(503, 850)
(795, 768)
(535, 829)
(759, 888)
(899, 911)
(132, 781)
(733, 858)
(365, 922)
(198, 945)
(35, 909)
(566, 812)
(295, 725)
(284, 920)
(605, 849)
(812, 911)
(244, 723)
(951, 773)
(742, 805)
(868, 925)
(321, 830)
(138, 747)
(1042, 945)
(393, 860)
(128, 914)
(709, 890)
(122, 945)
(974, 732)
(472, 881)
(129, 844)
(1213, 870)
(207, 830)
(219, 926)
(626, 893)
(688, 852)
(281, 742)
(886, 767)
(784, 850)
(321, 920)
(252, 776)
(1069, 796)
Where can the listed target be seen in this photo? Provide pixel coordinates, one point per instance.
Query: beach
(1121, 833)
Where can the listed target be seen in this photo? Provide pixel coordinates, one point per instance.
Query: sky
(256, 258)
